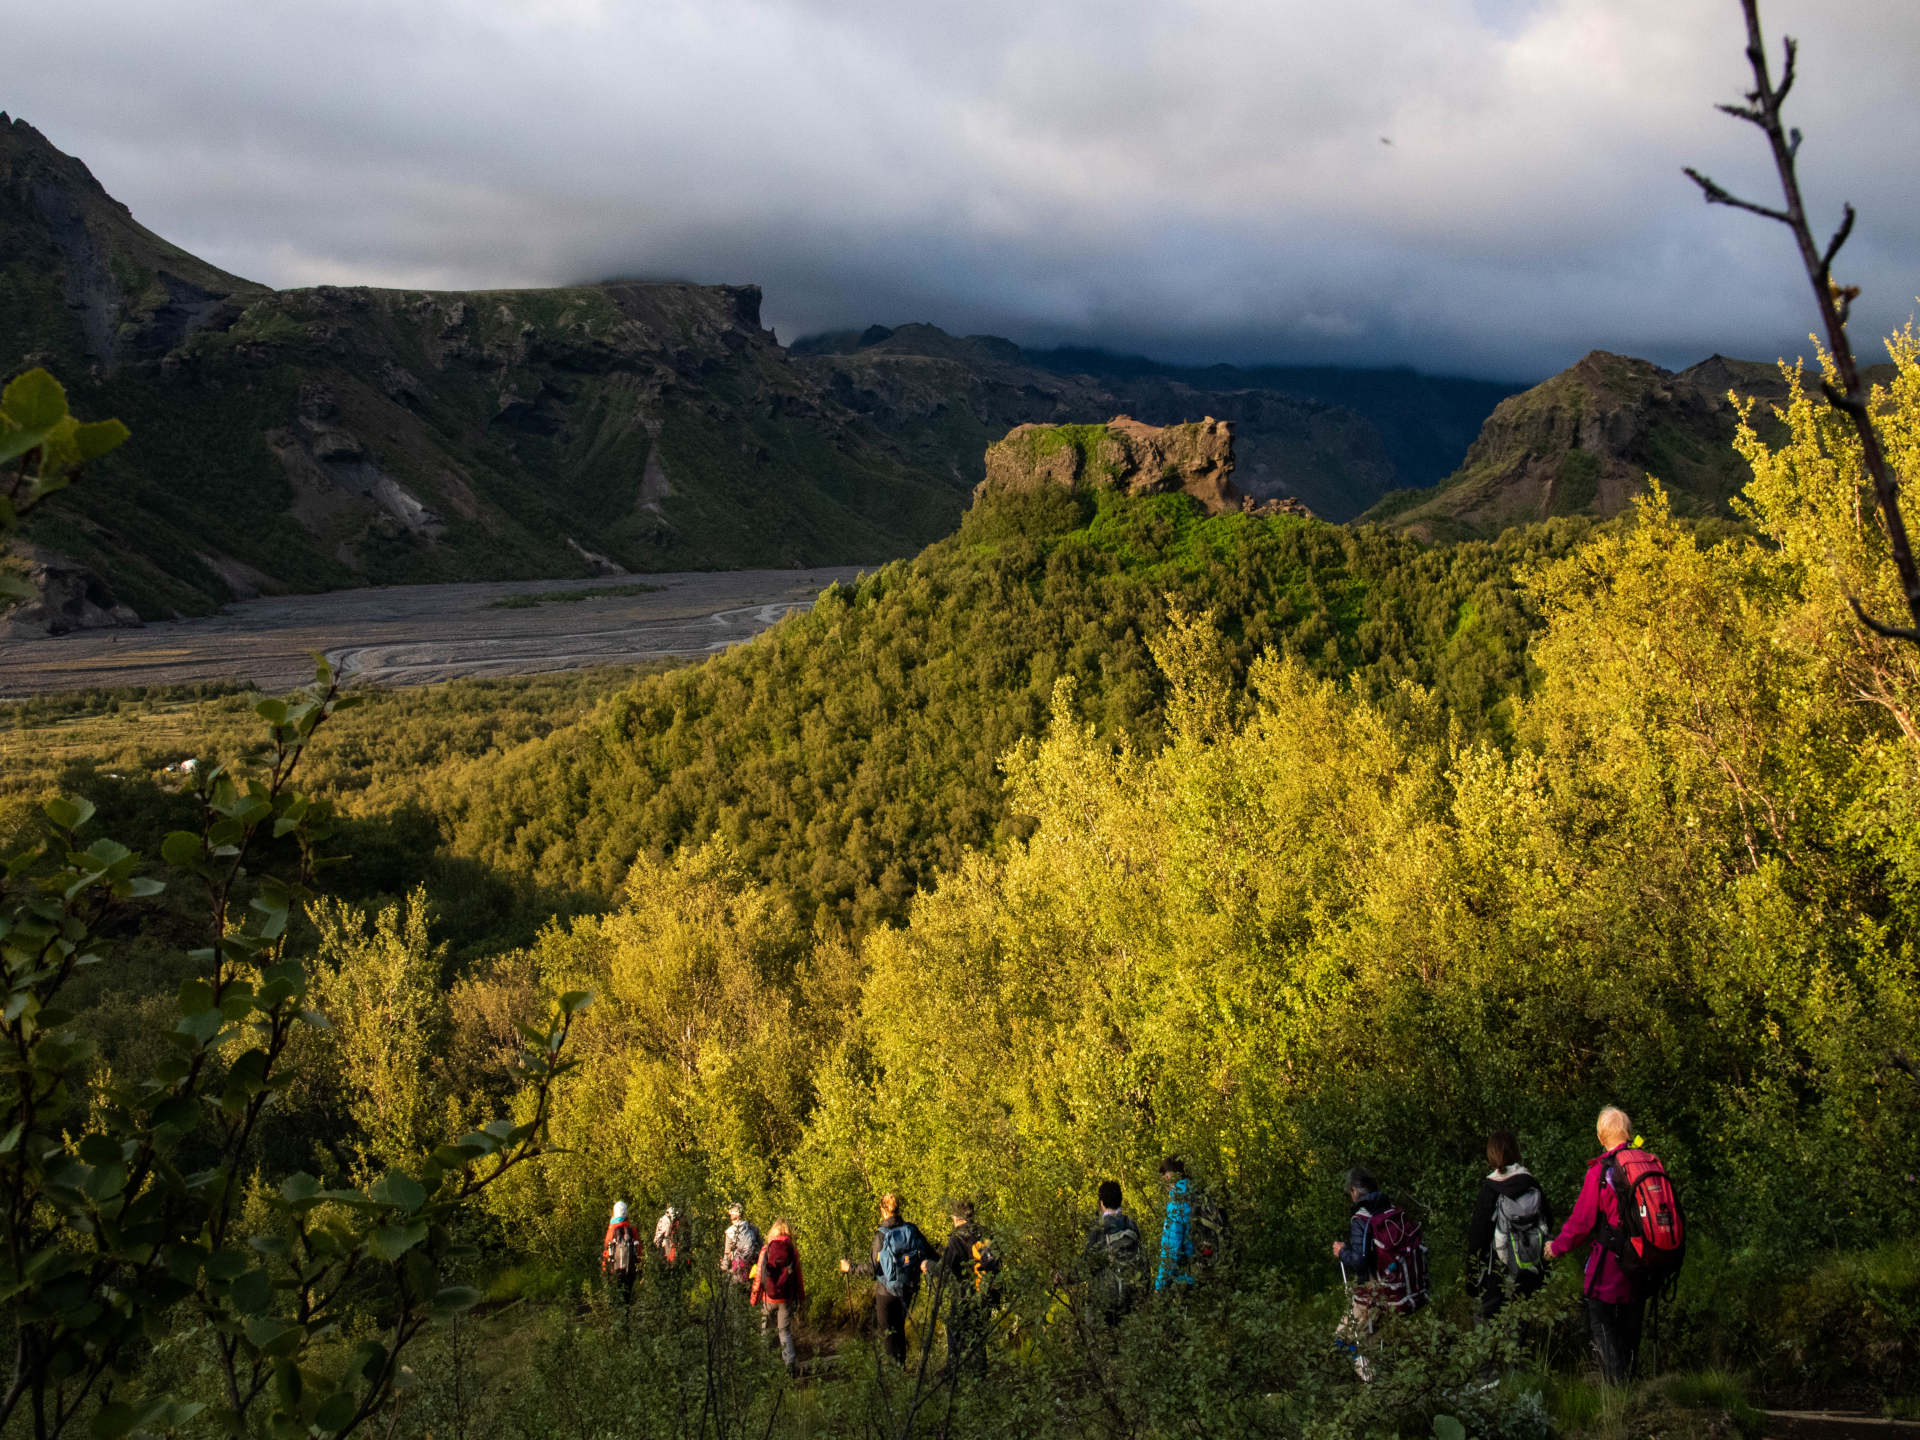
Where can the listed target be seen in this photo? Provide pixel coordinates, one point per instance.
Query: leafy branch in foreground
(1850, 396)
(45, 448)
(119, 1209)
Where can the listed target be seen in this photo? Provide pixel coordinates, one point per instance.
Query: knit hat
(619, 1210)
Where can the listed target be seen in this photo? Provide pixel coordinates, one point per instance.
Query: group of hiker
(1627, 1214)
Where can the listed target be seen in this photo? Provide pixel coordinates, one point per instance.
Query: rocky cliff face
(68, 597)
(1585, 441)
(949, 398)
(1124, 455)
(309, 439)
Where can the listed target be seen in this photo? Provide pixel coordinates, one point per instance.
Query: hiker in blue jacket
(900, 1254)
(1176, 1230)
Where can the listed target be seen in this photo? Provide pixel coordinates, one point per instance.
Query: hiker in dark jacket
(968, 1271)
(1616, 1310)
(1114, 1258)
(900, 1254)
(1506, 1239)
(780, 1286)
(1355, 1255)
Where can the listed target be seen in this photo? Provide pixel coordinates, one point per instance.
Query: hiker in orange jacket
(779, 1284)
(620, 1253)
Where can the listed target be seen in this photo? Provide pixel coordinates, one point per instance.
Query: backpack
(1650, 1241)
(774, 1274)
(1125, 1271)
(1207, 1236)
(746, 1252)
(899, 1246)
(1520, 1232)
(620, 1253)
(986, 1270)
(1399, 1251)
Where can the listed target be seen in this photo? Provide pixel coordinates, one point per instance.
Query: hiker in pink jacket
(1615, 1308)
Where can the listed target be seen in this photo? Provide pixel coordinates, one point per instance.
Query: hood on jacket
(1373, 1202)
(1513, 1183)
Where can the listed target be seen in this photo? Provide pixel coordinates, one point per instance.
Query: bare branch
(1716, 195)
(1835, 301)
(1840, 235)
(1880, 628)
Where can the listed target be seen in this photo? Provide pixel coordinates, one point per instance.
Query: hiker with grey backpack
(1507, 1237)
(1113, 1261)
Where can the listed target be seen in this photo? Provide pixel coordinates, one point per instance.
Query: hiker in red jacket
(779, 1285)
(620, 1254)
(1616, 1309)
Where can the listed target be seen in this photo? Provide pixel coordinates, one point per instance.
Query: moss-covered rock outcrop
(1195, 457)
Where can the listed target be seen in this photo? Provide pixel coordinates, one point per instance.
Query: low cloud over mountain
(1481, 186)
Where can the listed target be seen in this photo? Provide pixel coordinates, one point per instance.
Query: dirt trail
(413, 634)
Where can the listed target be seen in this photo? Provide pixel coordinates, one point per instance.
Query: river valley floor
(416, 634)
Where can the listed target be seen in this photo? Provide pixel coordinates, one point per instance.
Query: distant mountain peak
(1583, 442)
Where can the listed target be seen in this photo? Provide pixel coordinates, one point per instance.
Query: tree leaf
(181, 847)
(69, 814)
(390, 1242)
(34, 401)
(399, 1189)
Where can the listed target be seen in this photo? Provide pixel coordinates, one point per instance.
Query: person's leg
(891, 1313)
(1632, 1317)
(964, 1347)
(783, 1319)
(1493, 1296)
(1604, 1322)
(1354, 1327)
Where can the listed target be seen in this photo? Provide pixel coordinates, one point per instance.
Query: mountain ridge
(1585, 441)
(336, 435)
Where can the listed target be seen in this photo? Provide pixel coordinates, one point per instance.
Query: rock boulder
(1136, 459)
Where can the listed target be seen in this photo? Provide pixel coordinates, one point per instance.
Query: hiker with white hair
(1630, 1217)
(620, 1253)
(741, 1246)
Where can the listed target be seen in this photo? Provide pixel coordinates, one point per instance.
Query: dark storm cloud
(1202, 180)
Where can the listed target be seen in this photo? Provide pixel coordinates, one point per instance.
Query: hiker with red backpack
(900, 1255)
(780, 1286)
(1630, 1214)
(1507, 1237)
(620, 1252)
(1384, 1263)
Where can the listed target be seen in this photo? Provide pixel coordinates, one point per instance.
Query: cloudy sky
(1195, 179)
